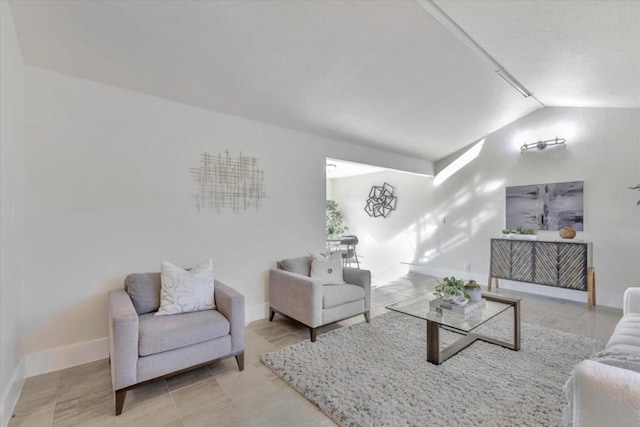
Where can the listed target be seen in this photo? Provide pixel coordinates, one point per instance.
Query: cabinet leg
(591, 287)
(495, 282)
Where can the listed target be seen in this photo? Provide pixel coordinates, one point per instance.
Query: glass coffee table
(463, 324)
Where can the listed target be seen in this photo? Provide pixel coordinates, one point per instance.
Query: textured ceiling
(380, 73)
(568, 53)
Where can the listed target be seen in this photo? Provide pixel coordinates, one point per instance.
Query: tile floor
(220, 395)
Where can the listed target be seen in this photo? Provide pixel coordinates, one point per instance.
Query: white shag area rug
(377, 375)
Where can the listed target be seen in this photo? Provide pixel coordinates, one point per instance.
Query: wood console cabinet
(561, 264)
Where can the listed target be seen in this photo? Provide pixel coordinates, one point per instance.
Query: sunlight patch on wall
(491, 186)
(462, 200)
(459, 163)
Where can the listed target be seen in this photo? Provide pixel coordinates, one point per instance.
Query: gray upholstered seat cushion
(301, 265)
(334, 295)
(626, 336)
(163, 333)
(144, 290)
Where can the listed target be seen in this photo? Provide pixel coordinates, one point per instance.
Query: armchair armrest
(601, 395)
(361, 278)
(296, 296)
(123, 339)
(230, 303)
(631, 300)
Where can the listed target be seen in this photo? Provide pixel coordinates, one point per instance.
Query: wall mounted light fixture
(541, 145)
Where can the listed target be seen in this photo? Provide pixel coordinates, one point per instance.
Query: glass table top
(419, 307)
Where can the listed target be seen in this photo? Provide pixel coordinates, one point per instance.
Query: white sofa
(605, 391)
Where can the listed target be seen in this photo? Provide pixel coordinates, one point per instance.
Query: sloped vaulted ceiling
(568, 53)
(380, 73)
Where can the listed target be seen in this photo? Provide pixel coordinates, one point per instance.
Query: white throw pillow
(185, 291)
(327, 269)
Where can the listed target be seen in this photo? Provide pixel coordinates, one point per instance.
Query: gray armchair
(294, 294)
(144, 347)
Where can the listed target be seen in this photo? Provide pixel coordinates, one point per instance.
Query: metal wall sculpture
(381, 201)
(227, 182)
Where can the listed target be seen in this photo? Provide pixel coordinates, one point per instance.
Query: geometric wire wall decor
(226, 182)
(381, 201)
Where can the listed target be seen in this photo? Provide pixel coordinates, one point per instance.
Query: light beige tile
(188, 378)
(36, 418)
(160, 411)
(204, 402)
(145, 393)
(226, 416)
(287, 340)
(83, 409)
(221, 366)
(84, 380)
(237, 382)
(38, 393)
(254, 346)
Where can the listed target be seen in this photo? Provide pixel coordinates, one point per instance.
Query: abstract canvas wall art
(545, 206)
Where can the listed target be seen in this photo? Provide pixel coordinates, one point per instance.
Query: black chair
(349, 253)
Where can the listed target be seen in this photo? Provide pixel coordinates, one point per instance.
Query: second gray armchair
(293, 293)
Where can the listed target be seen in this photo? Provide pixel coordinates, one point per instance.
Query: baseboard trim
(77, 354)
(11, 394)
(66, 357)
(441, 272)
(531, 288)
(256, 312)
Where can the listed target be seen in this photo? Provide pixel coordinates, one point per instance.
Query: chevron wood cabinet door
(522, 260)
(551, 263)
(500, 258)
(546, 264)
(573, 266)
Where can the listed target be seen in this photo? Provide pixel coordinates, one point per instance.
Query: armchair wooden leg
(313, 332)
(240, 360)
(120, 396)
(367, 316)
(273, 313)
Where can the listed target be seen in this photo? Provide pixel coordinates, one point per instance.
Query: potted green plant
(335, 226)
(450, 288)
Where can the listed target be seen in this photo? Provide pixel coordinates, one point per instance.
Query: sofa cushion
(626, 360)
(144, 291)
(626, 336)
(334, 295)
(327, 269)
(184, 291)
(301, 265)
(163, 333)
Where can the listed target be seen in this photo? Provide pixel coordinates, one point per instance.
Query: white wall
(108, 192)
(11, 212)
(603, 149)
(384, 243)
